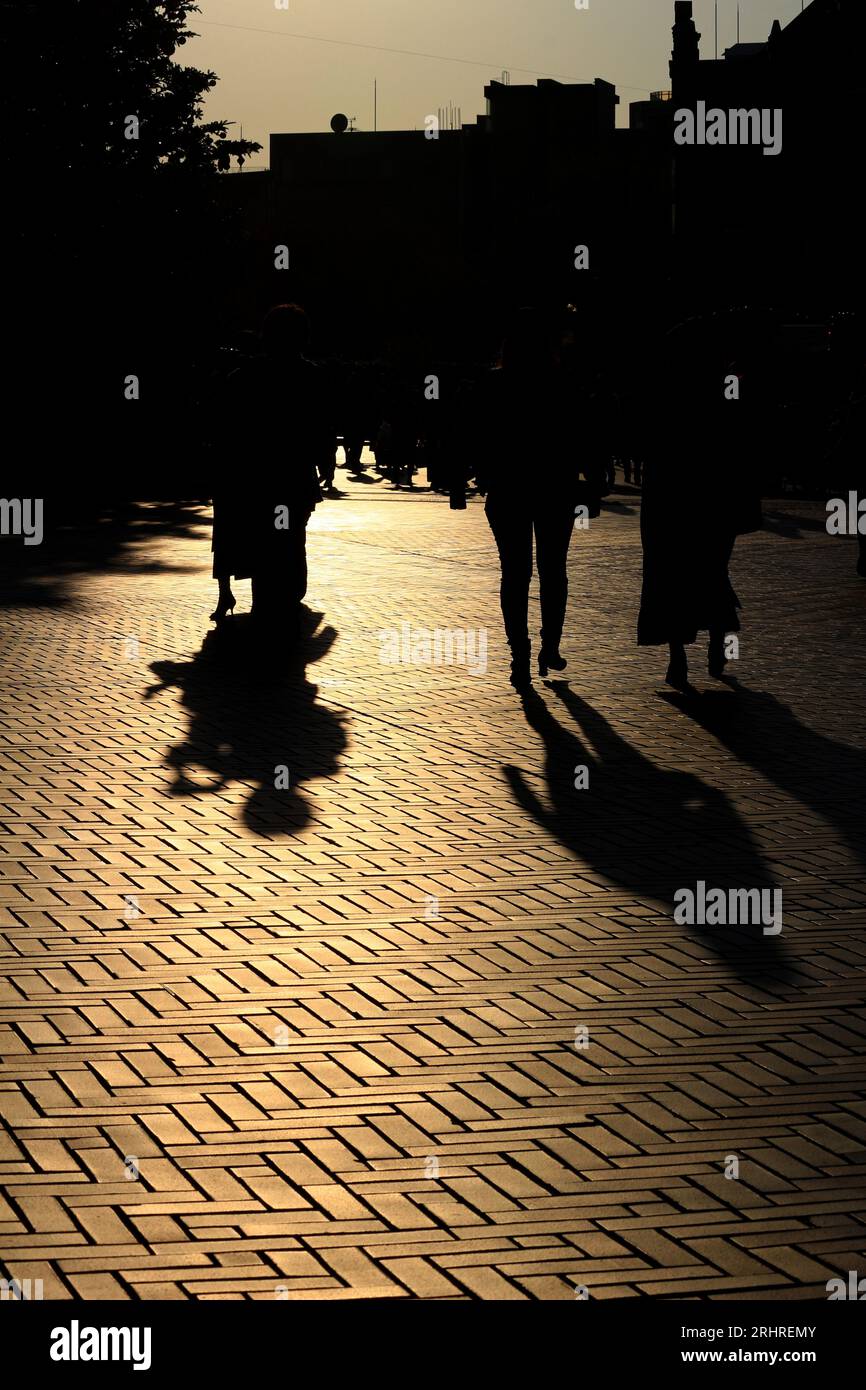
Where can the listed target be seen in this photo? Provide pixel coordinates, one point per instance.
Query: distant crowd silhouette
(536, 435)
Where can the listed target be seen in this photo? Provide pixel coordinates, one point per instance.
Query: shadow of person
(827, 777)
(648, 830)
(254, 719)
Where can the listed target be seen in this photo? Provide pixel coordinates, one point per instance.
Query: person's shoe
(223, 610)
(551, 660)
(677, 673)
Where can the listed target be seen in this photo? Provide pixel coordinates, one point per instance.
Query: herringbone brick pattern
(423, 1025)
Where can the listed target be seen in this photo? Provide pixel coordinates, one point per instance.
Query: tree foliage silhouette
(115, 228)
(83, 67)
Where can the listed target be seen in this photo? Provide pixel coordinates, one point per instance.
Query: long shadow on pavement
(827, 777)
(253, 712)
(86, 537)
(646, 829)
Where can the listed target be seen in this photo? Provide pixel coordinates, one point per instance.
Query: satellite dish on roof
(339, 123)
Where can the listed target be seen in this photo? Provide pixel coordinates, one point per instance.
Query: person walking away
(701, 489)
(527, 454)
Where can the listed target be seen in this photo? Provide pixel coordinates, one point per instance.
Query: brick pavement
(325, 1042)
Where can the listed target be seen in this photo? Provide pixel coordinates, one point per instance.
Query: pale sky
(273, 82)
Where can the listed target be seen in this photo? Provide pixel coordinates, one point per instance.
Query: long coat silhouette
(279, 431)
(701, 488)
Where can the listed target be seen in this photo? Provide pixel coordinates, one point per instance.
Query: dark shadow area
(361, 478)
(617, 508)
(82, 537)
(645, 829)
(792, 527)
(827, 777)
(253, 711)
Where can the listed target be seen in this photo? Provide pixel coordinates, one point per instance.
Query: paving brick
(429, 916)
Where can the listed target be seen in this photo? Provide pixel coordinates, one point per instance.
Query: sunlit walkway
(421, 1022)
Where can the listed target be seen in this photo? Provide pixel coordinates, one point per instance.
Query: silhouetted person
(281, 435)
(354, 408)
(700, 491)
(225, 562)
(227, 521)
(527, 452)
(353, 447)
(396, 441)
(328, 469)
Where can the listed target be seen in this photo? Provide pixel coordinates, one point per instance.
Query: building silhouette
(783, 229)
(398, 240)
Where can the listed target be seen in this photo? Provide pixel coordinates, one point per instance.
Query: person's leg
(262, 585)
(678, 667)
(553, 528)
(224, 523)
(227, 599)
(279, 588)
(512, 531)
(328, 469)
